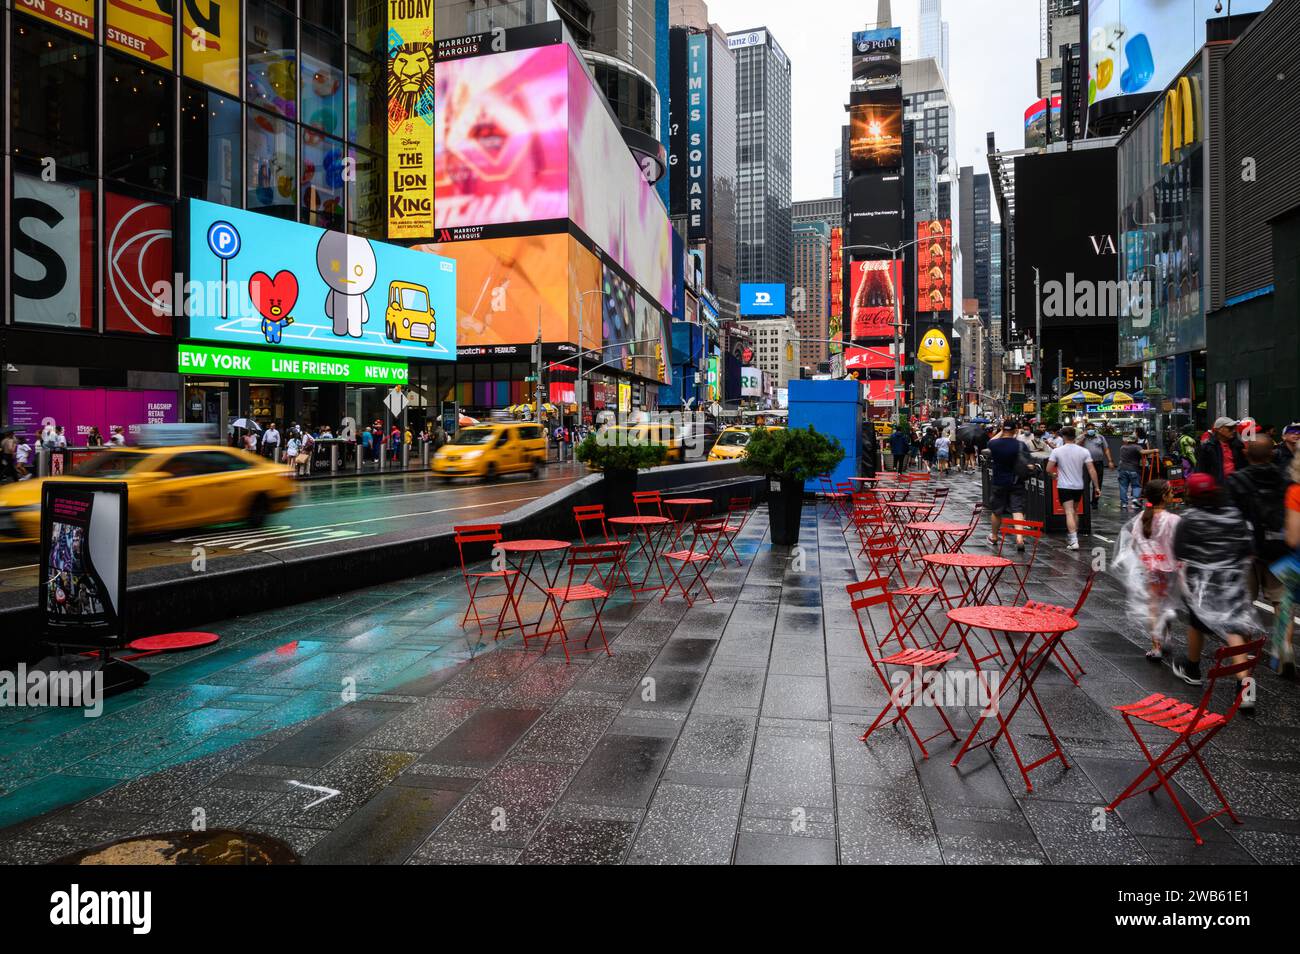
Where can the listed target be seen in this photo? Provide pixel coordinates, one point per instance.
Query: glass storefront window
(366, 195)
(367, 101)
(210, 154)
(52, 102)
(140, 102)
(324, 13)
(272, 159)
(322, 180)
(53, 280)
(272, 81)
(322, 81)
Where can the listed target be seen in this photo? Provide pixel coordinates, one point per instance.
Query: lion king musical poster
(410, 119)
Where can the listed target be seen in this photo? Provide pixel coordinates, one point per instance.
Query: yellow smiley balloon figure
(935, 352)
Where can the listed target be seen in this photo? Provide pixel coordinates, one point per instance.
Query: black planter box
(784, 508)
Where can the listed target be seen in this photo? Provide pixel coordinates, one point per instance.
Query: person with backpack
(1010, 467)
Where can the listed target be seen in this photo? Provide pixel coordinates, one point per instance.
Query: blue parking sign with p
(223, 239)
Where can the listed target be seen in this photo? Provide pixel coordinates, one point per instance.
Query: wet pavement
(372, 729)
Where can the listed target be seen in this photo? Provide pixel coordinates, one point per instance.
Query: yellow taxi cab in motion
(168, 488)
(730, 444)
(489, 450)
(634, 434)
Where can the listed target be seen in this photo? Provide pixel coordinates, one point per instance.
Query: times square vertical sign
(697, 137)
(410, 119)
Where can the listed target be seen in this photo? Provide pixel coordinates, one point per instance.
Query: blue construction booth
(834, 408)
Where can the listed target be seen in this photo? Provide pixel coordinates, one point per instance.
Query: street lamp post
(577, 382)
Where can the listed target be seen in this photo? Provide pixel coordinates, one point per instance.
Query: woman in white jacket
(1145, 560)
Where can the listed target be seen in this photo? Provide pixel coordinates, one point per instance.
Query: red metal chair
(1027, 534)
(1193, 726)
(835, 497)
(869, 522)
(886, 558)
(647, 498)
(738, 511)
(1061, 646)
(875, 592)
(708, 536)
(591, 514)
(469, 535)
(937, 501)
(594, 587)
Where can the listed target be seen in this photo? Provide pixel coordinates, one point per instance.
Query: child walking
(1145, 559)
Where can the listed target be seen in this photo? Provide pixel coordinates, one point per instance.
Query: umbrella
(1118, 397)
(465, 420)
(245, 423)
(1082, 397)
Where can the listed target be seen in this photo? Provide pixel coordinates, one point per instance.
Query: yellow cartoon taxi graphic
(935, 352)
(408, 316)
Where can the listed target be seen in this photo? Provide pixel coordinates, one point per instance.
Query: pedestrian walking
(271, 442)
(94, 438)
(1285, 452)
(23, 458)
(60, 439)
(1010, 466)
(899, 444)
(942, 447)
(117, 438)
(1214, 547)
(8, 456)
(1259, 492)
(1222, 454)
(1099, 448)
(292, 445)
(1129, 474)
(1072, 465)
(1287, 570)
(1144, 559)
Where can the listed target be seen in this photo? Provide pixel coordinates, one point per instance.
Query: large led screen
(500, 155)
(874, 288)
(1138, 46)
(258, 280)
(876, 129)
(505, 286)
(934, 265)
(877, 57)
(875, 210)
(609, 198)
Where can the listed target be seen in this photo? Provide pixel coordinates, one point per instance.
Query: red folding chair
(490, 533)
(648, 498)
(975, 513)
(937, 501)
(835, 498)
(875, 592)
(738, 511)
(1193, 726)
(591, 514)
(886, 558)
(869, 522)
(1061, 646)
(599, 564)
(706, 544)
(1026, 532)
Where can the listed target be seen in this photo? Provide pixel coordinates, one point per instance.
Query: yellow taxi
(408, 316)
(489, 450)
(633, 434)
(168, 488)
(730, 444)
(884, 429)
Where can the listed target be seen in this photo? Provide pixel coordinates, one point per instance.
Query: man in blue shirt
(899, 445)
(1011, 464)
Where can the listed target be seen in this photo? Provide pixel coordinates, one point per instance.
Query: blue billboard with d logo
(762, 299)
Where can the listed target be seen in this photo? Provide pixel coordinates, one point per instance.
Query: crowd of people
(1214, 539)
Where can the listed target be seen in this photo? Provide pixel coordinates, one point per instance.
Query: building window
(271, 78)
(322, 81)
(139, 101)
(366, 213)
(322, 180)
(367, 101)
(52, 99)
(210, 154)
(272, 159)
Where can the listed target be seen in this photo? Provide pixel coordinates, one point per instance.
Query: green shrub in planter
(788, 457)
(619, 463)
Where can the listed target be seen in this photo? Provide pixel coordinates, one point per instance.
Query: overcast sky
(993, 45)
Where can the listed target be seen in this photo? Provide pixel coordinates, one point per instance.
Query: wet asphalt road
(327, 511)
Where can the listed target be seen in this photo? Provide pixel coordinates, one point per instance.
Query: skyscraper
(809, 299)
(764, 241)
(934, 33)
(837, 175)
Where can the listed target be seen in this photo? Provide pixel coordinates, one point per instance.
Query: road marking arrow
(329, 792)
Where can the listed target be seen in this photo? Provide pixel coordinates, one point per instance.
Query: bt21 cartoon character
(274, 298)
(347, 265)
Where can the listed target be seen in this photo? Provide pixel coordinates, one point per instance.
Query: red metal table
(980, 573)
(687, 504)
(650, 531)
(1017, 682)
(947, 537)
(527, 557)
(902, 512)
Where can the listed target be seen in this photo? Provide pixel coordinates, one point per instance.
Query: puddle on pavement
(217, 847)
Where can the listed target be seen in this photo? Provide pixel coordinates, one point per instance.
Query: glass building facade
(764, 243)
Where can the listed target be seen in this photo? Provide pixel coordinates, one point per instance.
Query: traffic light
(627, 362)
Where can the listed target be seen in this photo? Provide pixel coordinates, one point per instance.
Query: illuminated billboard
(869, 359)
(524, 136)
(762, 299)
(837, 290)
(259, 280)
(874, 288)
(934, 265)
(935, 351)
(876, 129)
(875, 209)
(877, 57)
(1036, 131)
(1139, 46)
(505, 286)
(410, 120)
